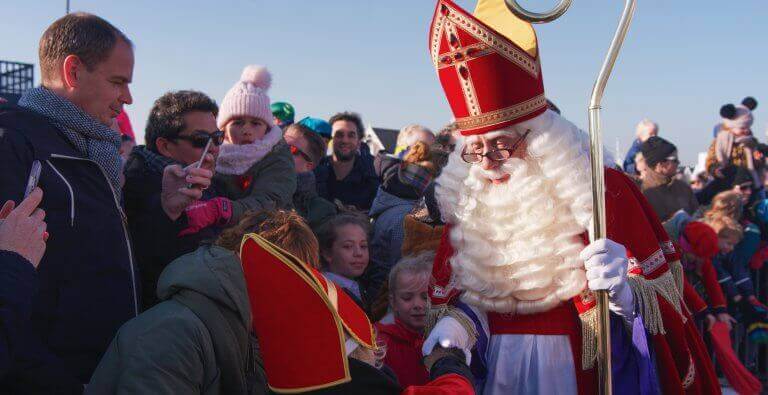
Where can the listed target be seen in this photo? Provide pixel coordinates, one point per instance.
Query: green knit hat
(283, 111)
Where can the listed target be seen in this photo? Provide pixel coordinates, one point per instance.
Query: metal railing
(15, 77)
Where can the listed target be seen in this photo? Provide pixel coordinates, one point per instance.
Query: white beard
(517, 244)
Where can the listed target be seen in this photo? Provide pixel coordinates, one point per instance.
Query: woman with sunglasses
(254, 168)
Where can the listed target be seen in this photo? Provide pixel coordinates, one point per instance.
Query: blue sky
(683, 59)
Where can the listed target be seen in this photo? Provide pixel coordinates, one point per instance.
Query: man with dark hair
(177, 131)
(347, 175)
(308, 149)
(86, 282)
(666, 194)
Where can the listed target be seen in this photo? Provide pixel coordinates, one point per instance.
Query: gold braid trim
(677, 271)
(437, 312)
(676, 268)
(646, 291)
(589, 327)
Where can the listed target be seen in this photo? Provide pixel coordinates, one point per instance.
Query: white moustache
(512, 167)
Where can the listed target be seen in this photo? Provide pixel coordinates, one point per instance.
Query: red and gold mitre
(300, 318)
(488, 65)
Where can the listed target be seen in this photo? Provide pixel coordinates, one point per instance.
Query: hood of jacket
(212, 271)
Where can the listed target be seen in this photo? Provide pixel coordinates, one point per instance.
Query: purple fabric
(479, 364)
(632, 364)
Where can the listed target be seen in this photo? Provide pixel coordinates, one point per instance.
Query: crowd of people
(130, 268)
(716, 217)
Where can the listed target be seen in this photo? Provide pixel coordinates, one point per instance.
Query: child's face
(349, 254)
(745, 190)
(740, 131)
(410, 300)
(726, 243)
(245, 130)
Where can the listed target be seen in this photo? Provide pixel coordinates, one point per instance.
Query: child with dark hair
(344, 255)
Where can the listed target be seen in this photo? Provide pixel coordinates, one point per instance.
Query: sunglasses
(199, 139)
(495, 155)
(296, 151)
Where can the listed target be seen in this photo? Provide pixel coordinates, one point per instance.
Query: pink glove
(201, 215)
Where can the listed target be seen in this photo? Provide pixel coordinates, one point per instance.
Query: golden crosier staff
(598, 176)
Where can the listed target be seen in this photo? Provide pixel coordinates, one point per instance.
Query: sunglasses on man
(296, 151)
(200, 138)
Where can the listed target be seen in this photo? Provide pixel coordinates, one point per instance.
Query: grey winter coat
(272, 184)
(169, 349)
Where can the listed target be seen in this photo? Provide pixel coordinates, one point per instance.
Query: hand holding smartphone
(34, 178)
(202, 158)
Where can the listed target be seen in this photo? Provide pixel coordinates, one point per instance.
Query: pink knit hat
(248, 97)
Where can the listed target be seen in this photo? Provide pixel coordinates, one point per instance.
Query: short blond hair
(726, 227)
(420, 263)
(725, 204)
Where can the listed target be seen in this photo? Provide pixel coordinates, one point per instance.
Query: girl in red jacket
(409, 302)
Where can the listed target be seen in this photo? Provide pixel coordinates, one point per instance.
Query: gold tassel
(436, 313)
(589, 326)
(676, 268)
(646, 291)
(677, 271)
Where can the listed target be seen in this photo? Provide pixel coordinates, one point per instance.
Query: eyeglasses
(200, 138)
(296, 151)
(495, 155)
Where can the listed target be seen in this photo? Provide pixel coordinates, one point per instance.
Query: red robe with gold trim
(681, 360)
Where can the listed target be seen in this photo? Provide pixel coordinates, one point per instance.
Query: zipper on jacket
(123, 221)
(71, 194)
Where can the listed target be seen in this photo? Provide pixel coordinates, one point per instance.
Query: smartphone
(202, 158)
(34, 178)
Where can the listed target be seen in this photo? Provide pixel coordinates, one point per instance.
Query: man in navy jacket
(86, 284)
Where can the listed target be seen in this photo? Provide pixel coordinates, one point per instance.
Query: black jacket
(17, 285)
(86, 279)
(155, 237)
(358, 188)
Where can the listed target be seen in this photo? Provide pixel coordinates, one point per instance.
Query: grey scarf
(94, 140)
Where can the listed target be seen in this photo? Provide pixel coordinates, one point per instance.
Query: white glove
(606, 264)
(448, 333)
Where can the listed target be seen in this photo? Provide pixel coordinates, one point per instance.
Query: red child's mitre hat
(491, 76)
(300, 318)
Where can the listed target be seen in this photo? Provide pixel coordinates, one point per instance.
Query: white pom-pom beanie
(248, 97)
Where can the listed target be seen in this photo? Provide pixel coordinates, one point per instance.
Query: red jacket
(403, 353)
